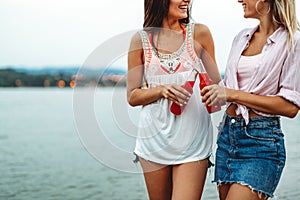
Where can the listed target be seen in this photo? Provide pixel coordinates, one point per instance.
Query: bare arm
(268, 104)
(275, 105)
(135, 94)
(204, 42)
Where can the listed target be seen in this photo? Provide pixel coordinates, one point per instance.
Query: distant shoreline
(60, 77)
(72, 77)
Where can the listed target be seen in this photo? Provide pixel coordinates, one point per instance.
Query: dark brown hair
(156, 10)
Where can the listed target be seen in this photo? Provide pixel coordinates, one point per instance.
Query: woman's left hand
(214, 95)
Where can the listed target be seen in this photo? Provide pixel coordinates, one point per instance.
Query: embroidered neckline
(170, 63)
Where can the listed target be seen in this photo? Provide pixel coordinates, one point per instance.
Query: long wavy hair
(284, 13)
(156, 10)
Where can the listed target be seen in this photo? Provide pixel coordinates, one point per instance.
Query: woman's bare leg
(188, 180)
(238, 191)
(158, 180)
(223, 190)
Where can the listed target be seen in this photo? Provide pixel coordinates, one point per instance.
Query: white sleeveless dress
(163, 137)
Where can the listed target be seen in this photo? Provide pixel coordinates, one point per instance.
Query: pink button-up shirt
(277, 72)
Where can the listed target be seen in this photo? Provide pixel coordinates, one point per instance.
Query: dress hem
(163, 162)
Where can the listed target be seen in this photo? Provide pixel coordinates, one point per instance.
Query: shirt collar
(276, 35)
(272, 38)
(250, 32)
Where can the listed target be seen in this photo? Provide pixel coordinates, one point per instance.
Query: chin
(184, 16)
(246, 16)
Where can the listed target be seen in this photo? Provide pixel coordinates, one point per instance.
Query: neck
(267, 26)
(171, 24)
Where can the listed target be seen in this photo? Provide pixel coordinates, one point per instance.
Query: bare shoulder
(135, 53)
(136, 41)
(201, 32)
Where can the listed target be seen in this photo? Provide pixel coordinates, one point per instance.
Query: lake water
(44, 154)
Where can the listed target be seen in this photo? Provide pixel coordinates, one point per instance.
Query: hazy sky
(65, 32)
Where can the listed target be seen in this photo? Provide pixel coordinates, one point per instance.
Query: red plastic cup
(205, 81)
(177, 109)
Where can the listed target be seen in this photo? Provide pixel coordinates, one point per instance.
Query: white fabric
(164, 137)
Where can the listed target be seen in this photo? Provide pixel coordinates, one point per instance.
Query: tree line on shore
(13, 78)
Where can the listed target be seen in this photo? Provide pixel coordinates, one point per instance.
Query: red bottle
(177, 109)
(204, 81)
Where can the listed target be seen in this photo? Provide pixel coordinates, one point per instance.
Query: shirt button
(233, 121)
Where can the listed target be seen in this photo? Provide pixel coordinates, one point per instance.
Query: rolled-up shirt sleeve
(289, 83)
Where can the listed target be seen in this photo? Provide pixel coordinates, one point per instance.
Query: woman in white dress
(173, 150)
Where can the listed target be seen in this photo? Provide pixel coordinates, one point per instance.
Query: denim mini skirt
(252, 155)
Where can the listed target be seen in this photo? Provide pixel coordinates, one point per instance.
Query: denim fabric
(252, 155)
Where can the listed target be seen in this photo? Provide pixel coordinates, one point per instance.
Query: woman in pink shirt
(262, 83)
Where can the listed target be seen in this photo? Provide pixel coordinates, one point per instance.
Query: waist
(231, 112)
(254, 122)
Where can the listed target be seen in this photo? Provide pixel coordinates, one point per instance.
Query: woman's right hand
(214, 95)
(175, 93)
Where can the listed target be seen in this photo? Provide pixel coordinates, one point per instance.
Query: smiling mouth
(184, 7)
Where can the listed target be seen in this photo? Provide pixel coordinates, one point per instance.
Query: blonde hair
(284, 13)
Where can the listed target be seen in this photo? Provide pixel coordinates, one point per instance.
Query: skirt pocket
(260, 133)
(261, 141)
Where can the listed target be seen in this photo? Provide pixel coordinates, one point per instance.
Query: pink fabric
(277, 73)
(246, 66)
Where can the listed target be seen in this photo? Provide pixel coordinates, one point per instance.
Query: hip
(261, 137)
